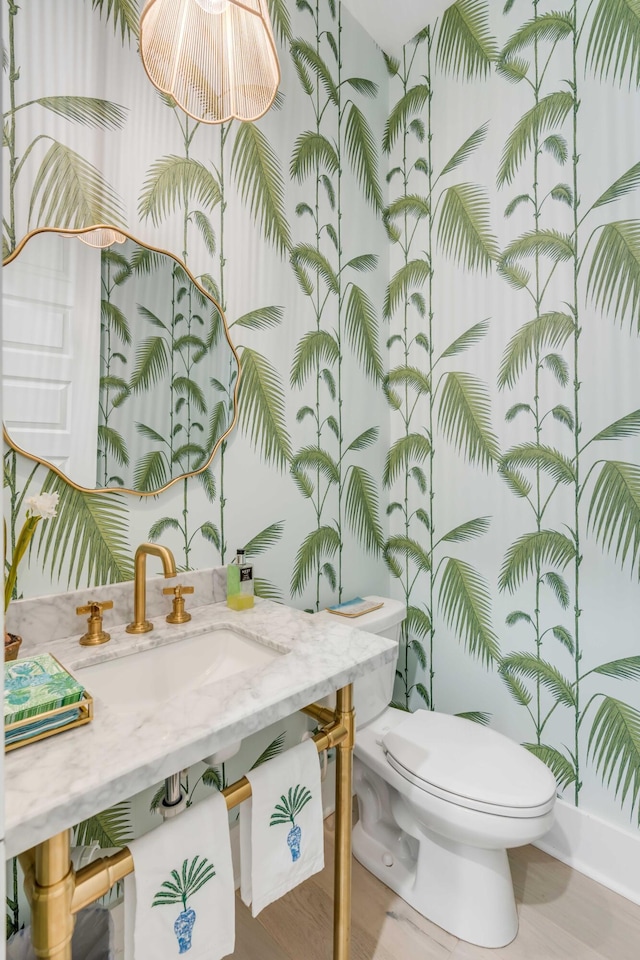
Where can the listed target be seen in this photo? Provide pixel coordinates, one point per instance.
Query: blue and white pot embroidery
(286, 812)
(183, 929)
(183, 885)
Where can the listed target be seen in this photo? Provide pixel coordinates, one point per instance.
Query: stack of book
(41, 698)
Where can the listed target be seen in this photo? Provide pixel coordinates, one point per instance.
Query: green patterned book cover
(35, 685)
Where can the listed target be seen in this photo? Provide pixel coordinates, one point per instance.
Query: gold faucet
(95, 631)
(140, 623)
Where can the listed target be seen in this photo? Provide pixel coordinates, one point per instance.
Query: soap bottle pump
(240, 583)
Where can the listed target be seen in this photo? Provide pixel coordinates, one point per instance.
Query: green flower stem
(10, 480)
(22, 544)
(17, 499)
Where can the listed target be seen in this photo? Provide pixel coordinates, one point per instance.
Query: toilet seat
(469, 765)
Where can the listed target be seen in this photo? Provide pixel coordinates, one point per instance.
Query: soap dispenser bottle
(239, 583)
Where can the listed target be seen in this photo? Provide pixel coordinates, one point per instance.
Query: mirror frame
(75, 232)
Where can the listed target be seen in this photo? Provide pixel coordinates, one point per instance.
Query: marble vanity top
(56, 783)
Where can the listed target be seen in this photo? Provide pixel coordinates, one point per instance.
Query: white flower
(43, 506)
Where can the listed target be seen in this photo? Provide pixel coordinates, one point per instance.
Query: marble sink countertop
(56, 783)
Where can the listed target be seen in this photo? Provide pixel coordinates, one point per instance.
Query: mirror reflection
(118, 370)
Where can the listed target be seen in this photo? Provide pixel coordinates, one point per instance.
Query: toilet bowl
(441, 799)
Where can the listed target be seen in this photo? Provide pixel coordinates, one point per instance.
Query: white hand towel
(181, 898)
(281, 836)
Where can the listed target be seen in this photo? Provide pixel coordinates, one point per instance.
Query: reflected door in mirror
(51, 355)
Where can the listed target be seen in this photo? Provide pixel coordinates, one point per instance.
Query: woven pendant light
(216, 58)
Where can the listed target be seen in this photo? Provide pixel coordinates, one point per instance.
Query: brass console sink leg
(342, 876)
(56, 894)
(49, 885)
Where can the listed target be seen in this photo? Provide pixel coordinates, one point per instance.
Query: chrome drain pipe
(174, 800)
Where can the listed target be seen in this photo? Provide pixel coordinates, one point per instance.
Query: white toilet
(441, 799)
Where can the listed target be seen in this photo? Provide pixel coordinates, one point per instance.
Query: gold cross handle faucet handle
(178, 613)
(95, 633)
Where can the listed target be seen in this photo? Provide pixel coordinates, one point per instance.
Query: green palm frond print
(260, 183)
(613, 46)
(291, 804)
(429, 267)
(89, 541)
(598, 258)
(60, 187)
(342, 317)
(111, 828)
(433, 219)
(123, 14)
(466, 46)
(614, 743)
(185, 883)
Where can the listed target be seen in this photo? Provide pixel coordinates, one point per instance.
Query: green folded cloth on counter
(35, 685)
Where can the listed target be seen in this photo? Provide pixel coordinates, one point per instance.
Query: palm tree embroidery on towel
(286, 812)
(178, 890)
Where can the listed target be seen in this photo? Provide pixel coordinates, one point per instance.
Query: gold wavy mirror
(118, 370)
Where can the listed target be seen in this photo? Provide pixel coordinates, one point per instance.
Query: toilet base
(465, 890)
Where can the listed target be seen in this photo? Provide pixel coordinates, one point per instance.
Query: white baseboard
(602, 851)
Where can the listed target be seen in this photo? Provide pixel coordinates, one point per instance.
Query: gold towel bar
(56, 893)
(96, 879)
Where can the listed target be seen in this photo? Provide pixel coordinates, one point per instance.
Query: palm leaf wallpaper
(430, 266)
(335, 154)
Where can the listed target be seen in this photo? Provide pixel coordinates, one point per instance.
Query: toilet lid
(468, 764)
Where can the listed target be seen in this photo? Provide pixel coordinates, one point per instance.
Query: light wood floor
(563, 916)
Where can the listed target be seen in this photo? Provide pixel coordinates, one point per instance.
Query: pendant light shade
(216, 58)
(101, 237)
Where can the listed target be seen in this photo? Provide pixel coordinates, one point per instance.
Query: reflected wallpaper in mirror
(118, 368)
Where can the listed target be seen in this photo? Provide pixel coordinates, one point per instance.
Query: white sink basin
(161, 673)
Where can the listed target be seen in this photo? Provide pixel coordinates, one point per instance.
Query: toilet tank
(372, 693)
